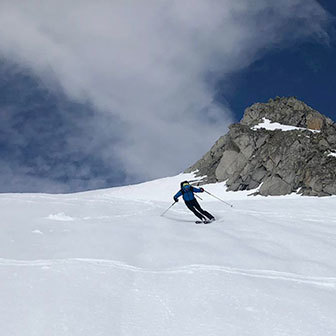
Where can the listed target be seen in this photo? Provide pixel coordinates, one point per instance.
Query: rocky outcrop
(258, 154)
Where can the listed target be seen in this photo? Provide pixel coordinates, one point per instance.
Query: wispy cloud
(150, 64)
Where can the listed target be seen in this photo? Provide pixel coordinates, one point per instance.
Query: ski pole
(219, 198)
(199, 197)
(168, 209)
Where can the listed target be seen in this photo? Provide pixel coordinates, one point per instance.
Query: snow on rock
(265, 267)
(332, 154)
(272, 126)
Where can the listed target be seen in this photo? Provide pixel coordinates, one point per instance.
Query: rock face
(276, 159)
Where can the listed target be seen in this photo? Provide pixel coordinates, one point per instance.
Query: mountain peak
(278, 147)
(286, 111)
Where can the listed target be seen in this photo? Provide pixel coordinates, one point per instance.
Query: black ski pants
(194, 206)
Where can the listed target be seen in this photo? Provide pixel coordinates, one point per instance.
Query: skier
(187, 192)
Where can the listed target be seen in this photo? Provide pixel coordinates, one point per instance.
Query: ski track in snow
(328, 282)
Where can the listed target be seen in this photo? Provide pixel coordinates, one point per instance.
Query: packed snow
(272, 126)
(60, 217)
(105, 263)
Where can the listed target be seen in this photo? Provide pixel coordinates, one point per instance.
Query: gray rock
(276, 161)
(259, 174)
(230, 163)
(275, 186)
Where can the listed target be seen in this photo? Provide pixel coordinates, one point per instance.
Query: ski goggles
(185, 185)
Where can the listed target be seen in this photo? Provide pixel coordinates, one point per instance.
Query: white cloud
(151, 64)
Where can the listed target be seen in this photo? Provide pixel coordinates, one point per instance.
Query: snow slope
(105, 263)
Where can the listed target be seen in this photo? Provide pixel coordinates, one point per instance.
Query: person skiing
(187, 192)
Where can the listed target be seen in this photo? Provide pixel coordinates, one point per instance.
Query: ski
(207, 221)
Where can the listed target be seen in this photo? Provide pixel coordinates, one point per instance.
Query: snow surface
(332, 154)
(272, 126)
(104, 263)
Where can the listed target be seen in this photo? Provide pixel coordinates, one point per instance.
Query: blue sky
(139, 92)
(41, 146)
(306, 70)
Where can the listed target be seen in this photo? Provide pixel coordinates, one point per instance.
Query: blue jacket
(188, 195)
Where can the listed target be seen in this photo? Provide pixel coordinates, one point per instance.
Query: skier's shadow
(175, 219)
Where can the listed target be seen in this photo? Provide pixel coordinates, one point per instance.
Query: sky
(94, 95)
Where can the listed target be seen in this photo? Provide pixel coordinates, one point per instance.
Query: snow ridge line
(329, 282)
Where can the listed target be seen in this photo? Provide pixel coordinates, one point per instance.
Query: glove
(202, 190)
(175, 199)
